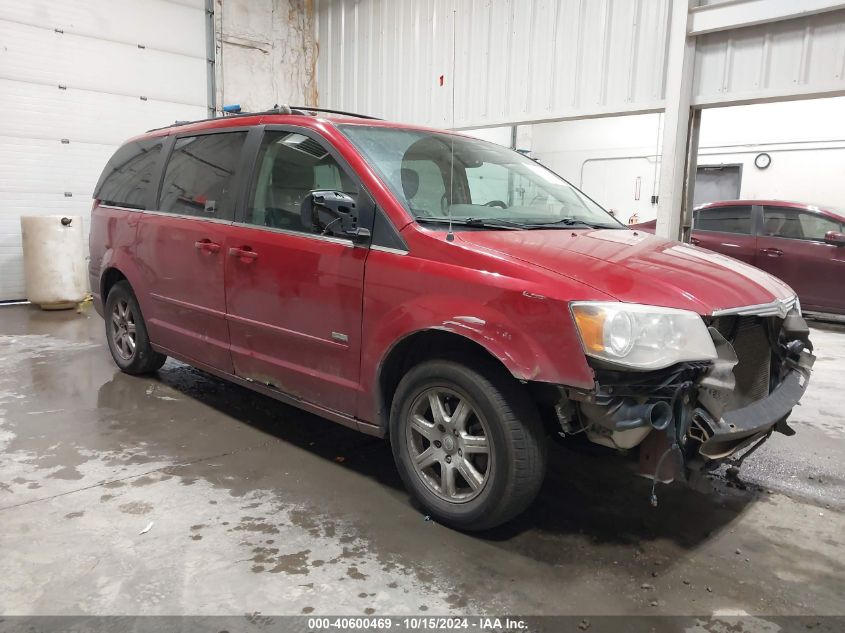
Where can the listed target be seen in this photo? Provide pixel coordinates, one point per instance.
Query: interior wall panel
(100, 65)
(72, 75)
(41, 111)
(514, 60)
(131, 23)
(794, 58)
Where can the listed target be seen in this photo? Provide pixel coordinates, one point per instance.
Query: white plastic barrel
(54, 260)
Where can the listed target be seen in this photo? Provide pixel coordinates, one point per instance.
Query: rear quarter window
(200, 177)
(724, 220)
(127, 179)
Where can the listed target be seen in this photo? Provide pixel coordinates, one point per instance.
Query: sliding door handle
(245, 254)
(207, 246)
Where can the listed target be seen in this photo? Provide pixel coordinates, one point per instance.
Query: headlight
(640, 336)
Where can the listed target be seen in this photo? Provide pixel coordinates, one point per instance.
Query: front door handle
(771, 252)
(694, 241)
(207, 246)
(245, 254)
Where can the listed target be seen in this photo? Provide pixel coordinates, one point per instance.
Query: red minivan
(444, 292)
(802, 244)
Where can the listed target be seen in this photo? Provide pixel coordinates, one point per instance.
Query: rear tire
(468, 442)
(126, 332)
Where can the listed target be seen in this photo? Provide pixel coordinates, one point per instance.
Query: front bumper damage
(687, 420)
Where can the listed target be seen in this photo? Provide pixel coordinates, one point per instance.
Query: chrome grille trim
(778, 307)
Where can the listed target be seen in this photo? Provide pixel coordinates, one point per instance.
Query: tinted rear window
(200, 175)
(724, 220)
(127, 179)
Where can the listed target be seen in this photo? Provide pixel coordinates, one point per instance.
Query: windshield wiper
(485, 223)
(569, 222)
(498, 222)
(501, 223)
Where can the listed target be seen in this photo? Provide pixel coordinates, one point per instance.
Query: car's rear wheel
(468, 442)
(126, 332)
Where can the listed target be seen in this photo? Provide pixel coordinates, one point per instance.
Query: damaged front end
(687, 419)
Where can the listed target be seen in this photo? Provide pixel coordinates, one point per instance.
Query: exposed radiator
(749, 338)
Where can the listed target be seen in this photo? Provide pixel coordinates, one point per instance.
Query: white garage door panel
(41, 56)
(104, 73)
(42, 111)
(194, 4)
(154, 23)
(37, 165)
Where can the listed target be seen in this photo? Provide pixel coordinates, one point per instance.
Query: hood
(639, 268)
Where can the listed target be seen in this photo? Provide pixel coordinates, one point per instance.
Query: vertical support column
(210, 58)
(689, 173)
(676, 123)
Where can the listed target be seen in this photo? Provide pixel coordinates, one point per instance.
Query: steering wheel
(496, 203)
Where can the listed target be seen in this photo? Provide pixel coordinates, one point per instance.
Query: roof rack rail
(277, 109)
(304, 109)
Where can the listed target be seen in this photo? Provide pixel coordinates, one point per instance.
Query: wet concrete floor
(182, 494)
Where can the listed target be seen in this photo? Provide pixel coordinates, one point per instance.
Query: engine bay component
(691, 417)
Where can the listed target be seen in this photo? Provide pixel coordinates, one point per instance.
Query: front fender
(530, 334)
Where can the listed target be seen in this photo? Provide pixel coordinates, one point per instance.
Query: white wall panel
(515, 60)
(122, 21)
(44, 112)
(93, 64)
(91, 48)
(800, 57)
(49, 166)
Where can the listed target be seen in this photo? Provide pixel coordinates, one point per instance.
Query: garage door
(77, 78)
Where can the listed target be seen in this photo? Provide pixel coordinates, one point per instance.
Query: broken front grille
(750, 340)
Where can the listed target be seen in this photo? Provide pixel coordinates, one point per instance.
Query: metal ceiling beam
(735, 14)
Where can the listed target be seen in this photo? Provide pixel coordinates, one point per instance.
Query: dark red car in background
(802, 244)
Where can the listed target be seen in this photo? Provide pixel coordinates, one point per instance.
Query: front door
(293, 291)
(791, 247)
(180, 249)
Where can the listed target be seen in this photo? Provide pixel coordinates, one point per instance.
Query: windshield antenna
(450, 236)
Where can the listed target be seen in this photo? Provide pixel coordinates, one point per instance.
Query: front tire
(126, 332)
(468, 443)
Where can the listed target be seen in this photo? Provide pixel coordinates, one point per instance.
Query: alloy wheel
(449, 444)
(123, 329)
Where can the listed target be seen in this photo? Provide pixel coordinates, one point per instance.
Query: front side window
(289, 167)
(438, 176)
(128, 178)
(200, 175)
(724, 220)
(797, 225)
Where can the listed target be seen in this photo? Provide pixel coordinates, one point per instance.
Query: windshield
(491, 184)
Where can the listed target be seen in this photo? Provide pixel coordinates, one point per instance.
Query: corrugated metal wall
(541, 60)
(801, 57)
(515, 60)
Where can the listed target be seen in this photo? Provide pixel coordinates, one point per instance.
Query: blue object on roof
(234, 108)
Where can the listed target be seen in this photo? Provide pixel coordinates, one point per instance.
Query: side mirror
(835, 238)
(333, 212)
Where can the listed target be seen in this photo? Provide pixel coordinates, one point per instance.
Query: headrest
(410, 182)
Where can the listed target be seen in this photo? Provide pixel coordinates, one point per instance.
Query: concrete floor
(255, 506)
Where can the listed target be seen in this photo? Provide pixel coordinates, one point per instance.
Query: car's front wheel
(468, 442)
(126, 332)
